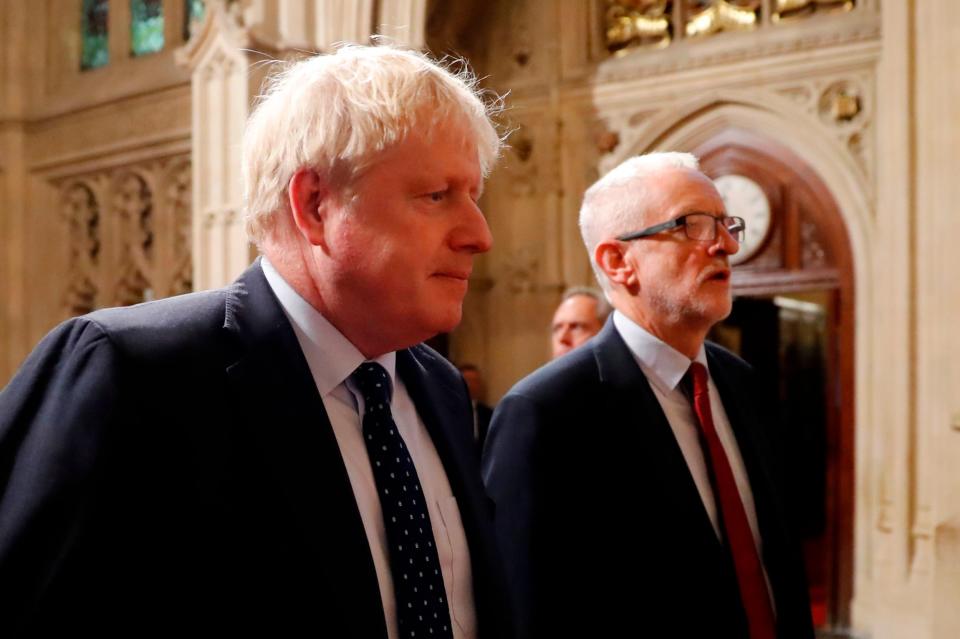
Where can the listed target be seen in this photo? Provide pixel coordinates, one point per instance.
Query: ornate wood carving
(178, 194)
(81, 212)
(132, 208)
(138, 245)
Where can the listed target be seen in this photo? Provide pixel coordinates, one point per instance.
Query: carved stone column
(14, 17)
(908, 582)
(935, 516)
(224, 81)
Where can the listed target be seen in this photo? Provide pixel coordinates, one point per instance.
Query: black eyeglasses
(698, 226)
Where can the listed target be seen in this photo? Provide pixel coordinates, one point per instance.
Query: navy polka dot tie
(422, 609)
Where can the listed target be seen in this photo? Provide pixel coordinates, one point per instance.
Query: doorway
(792, 341)
(793, 320)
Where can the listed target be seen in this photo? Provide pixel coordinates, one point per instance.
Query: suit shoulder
(170, 313)
(561, 380)
(185, 326)
(182, 316)
(76, 339)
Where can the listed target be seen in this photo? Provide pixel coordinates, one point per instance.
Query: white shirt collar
(330, 355)
(662, 364)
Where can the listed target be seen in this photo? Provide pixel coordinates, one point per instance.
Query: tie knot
(696, 378)
(372, 380)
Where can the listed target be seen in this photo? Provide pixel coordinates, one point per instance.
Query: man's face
(401, 249)
(681, 283)
(574, 322)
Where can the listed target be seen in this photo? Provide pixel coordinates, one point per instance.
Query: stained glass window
(146, 26)
(93, 29)
(193, 16)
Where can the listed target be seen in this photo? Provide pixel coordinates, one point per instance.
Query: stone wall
(96, 207)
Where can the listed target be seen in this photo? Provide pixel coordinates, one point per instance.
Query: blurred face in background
(574, 322)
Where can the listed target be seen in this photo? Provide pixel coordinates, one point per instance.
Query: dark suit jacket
(602, 528)
(170, 468)
(484, 415)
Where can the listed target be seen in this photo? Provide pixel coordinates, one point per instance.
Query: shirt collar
(662, 364)
(330, 356)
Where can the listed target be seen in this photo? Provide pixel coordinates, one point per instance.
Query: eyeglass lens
(701, 226)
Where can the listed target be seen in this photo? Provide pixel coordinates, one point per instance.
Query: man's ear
(611, 257)
(310, 199)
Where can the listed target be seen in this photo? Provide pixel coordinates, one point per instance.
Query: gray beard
(680, 311)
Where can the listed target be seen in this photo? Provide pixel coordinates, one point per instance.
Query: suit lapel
(438, 405)
(445, 412)
(637, 407)
(443, 408)
(289, 425)
(746, 430)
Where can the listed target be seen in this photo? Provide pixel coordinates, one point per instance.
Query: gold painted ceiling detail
(638, 24)
(655, 24)
(799, 9)
(707, 17)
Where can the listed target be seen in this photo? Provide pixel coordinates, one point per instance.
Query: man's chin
(707, 312)
(447, 321)
(721, 312)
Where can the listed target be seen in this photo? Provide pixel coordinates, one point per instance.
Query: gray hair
(335, 113)
(616, 203)
(603, 307)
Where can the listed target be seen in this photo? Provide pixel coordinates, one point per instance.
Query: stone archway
(818, 188)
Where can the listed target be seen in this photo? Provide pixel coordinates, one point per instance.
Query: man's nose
(724, 242)
(474, 235)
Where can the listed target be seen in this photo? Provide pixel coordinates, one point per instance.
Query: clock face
(745, 198)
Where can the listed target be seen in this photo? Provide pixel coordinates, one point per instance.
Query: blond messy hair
(335, 113)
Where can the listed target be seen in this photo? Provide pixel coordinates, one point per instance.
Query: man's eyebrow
(700, 211)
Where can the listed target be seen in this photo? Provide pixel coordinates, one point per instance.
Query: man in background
(580, 316)
(633, 478)
(282, 456)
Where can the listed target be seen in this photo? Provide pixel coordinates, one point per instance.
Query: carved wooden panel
(131, 212)
(129, 234)
(81, 213)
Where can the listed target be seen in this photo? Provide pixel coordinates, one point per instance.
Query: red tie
(736, 528)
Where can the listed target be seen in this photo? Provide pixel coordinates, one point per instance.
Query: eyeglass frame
(682, 221)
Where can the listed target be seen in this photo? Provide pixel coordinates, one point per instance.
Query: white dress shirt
(664, 367)
(332, 358)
